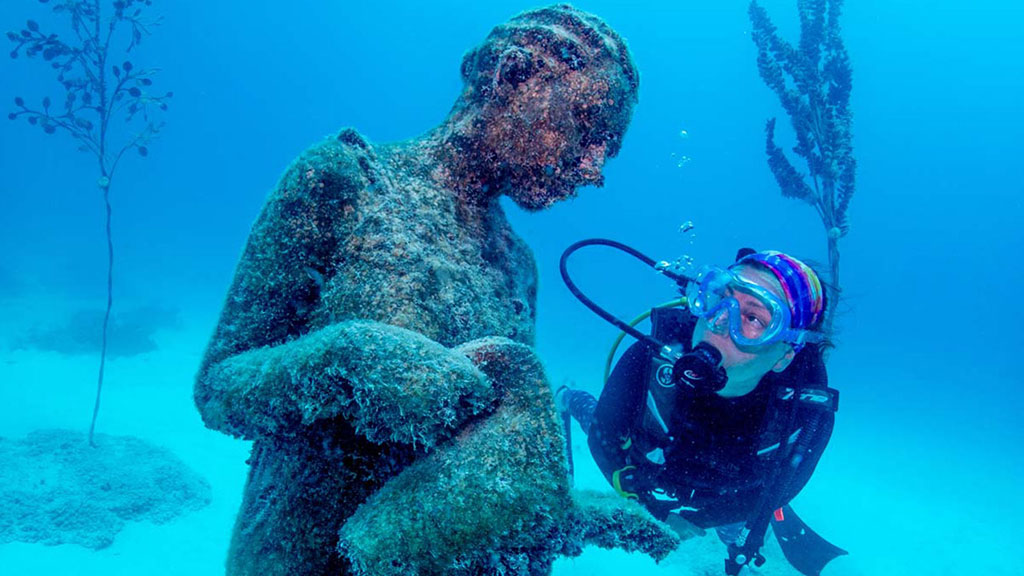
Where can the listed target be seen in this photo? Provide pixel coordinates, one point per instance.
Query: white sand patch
(149, 396)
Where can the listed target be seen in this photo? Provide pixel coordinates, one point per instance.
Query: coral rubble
(57, 489)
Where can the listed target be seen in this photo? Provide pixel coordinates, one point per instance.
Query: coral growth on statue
(376, 339)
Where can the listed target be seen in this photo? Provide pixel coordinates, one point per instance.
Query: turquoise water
(923, 469)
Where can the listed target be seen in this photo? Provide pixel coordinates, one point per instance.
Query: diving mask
(752, 315)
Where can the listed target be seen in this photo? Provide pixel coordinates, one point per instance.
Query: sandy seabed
(909, 507)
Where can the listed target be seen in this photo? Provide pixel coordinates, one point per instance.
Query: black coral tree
(813, 82)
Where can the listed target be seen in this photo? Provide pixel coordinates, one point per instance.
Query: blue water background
(928, 355)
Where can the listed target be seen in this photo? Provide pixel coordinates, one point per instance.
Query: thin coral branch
(91, 100)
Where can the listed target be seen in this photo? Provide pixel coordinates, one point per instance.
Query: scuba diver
(718, 417)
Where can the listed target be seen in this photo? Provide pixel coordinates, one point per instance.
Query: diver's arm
(612, 459)
(617, 412)
(809, 458)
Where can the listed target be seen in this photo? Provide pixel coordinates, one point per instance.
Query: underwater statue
(376, 341)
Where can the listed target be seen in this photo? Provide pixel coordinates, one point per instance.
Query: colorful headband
(799, 282)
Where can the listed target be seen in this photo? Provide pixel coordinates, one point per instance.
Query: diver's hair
(513, 51)
(827, 290)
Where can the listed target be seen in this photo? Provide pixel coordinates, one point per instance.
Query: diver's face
(553, 134)
(745, 367)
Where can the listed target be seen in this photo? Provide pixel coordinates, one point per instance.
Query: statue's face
(550, 134)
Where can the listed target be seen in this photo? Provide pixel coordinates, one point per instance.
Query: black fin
(804, 548)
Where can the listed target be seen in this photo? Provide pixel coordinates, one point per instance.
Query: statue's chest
(426, 274)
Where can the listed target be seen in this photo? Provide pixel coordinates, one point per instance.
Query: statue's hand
(609, 521)
(390, 383)
(395, 385)
(506, 363)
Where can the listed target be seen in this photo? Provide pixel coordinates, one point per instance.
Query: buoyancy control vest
(713, 455)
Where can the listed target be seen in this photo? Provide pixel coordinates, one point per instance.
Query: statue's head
(548, 96)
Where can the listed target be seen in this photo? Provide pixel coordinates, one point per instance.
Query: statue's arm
(266, 372)
(391, 384)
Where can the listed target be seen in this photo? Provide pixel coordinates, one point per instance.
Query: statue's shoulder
(335, 168)
(351, 138)
(347, 151)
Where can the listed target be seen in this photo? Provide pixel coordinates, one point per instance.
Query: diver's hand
(631, 482)
(683, 527)
(842, 566)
